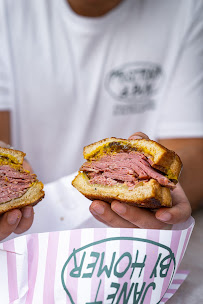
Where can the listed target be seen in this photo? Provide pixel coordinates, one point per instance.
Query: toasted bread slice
(30, 198)
(146, 194)
(14, 156)
(164, 160)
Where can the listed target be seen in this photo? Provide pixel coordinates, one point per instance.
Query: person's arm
(5, 127)
(121, 215)
(190, 151)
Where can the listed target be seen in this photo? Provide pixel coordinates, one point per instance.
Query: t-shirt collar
(117, 14)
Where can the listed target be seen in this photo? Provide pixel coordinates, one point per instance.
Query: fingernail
(136, 137)
(98, 209)
(12, 218)
(27, 212)
(119, 208)
(165, 217)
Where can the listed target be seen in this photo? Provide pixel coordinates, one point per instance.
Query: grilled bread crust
(146, 194)
(31, 197)
(14, 155)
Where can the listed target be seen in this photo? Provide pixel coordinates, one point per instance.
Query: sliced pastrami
(14, 183)
(13, 173)
(123, 167)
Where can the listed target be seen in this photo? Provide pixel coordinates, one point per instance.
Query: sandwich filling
(14, 183)
(128, 168)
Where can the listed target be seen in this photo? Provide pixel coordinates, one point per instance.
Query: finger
(180, 211)
(110, 223)
(26, 220)
(97, 217)
(8, 223)
(27, 166)
(3, 144)
(108, 216)
(139, 217)
(138, 135)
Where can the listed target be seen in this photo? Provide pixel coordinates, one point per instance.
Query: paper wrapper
(94, 266)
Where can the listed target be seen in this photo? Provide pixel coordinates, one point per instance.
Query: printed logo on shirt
(134, 86)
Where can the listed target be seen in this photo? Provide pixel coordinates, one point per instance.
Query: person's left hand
(121, 215)
(16, 220)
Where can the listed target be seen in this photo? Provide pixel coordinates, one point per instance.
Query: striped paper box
(94, 266)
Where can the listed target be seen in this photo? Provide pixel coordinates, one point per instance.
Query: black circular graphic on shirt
(134, 81)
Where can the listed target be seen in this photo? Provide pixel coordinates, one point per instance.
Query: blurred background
(73, 72)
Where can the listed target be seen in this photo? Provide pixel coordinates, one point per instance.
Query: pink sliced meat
(120, 177)
(100, 179)
(12, 173)
(163, 180)
(124, 167)
(13, 183)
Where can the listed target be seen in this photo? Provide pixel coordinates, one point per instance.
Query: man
(76, 72)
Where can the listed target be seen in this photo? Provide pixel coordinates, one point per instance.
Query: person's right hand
(16, 220)
(121, 215)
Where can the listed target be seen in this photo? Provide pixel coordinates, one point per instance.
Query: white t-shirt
(70, 80)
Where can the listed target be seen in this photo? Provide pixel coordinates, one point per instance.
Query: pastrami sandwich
(18, 187)
(139, 172)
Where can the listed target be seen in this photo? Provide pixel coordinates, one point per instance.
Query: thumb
(138, 135)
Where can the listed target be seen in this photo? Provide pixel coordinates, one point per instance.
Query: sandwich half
(18, 187)
(139, 172)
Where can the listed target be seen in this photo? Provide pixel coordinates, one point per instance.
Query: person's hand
(17, 221)
(121, 215)
(27, 166)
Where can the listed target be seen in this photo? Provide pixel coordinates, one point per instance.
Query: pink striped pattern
(33, 256)
(184, 272)
(164, 300)
(185, 244)
(171, 292)
(152, 254)
(75, 241)
(49, 277)
(125, 246)
(12, 271)
(178, 282)
(175, 239)
(101, 247)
